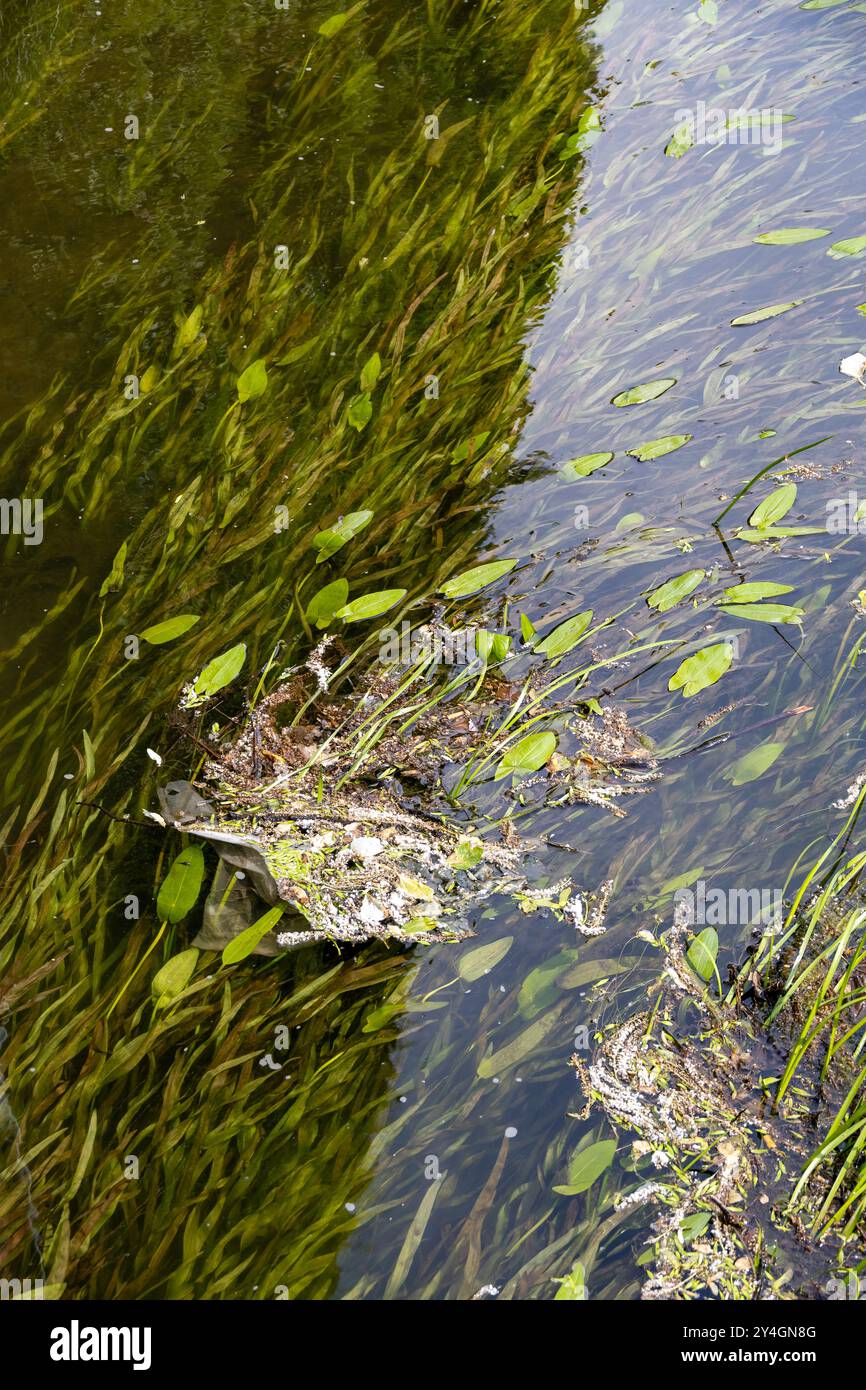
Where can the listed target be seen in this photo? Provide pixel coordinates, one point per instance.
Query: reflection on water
(380, 1151)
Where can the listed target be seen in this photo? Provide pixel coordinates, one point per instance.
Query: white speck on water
(511, 1132)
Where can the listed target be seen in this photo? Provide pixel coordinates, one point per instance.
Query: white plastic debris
(855, 365)
(156, 758)
(366, 847)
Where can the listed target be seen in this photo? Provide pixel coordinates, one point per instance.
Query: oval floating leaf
(170, 629)
(221, 671)
(523, 1045)
(790, 236)
(675, 590)
(253, 381)
(172, 979)
(704, 668)
(702, 953)
(853, 246)
(329, 542)
(753, 764)
(179, 890)
(649, 391)
(370, 605)
(774, 507)
(587, 1166)
(759, 315)
(751, 593)
(527, 756)
(583, 466)
(322, 607)
(475, 963)
(563, 638)
(370, 372)
(246, 942)
(657, 448)
(470, 581)
(763, 612)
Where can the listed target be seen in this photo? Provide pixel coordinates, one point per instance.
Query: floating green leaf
(853, 246)
(370, 605)
(329, 27)
(704, 668)
(759, 315)
(220, 672)
(587, 1166)
(360, 411)
(531, 753)
(649, 391)
(774, 507)
(492, 646)
(322, 607)
(475, 963)
(583, 466)
(329, 542)
(523, 1046)
(681, 141)
(751, 593)
(702, 953)
(170, 629)
(657, 448)
(173, 977)
(179, 889)
(246, 942)
(763, 612)
(253, 381)
(527, 631)
(675, 590)
(370, 372)
(588, 131)
(467, 854)
(478, 578)
(790, 236)
(753, 764)
(566, 636)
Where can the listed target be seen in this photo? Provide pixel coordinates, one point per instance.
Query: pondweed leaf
(753, 764)
(329, 27)
(752, 593)
(649, 391)
(657, 448)
(172, 978)
(675, 590)
(370, 372)
(523, 1045)
(253, 381)
(527, 631)
(179, 890)
(566, 636)
(759, 315)
(777, 533)
(538, 990)
(681, 141)
(531, 753)
(492, 646)
(587, 1166)
(583, 466)
(190, 328)
(475, 963)
(170, 629)
(470, 581)
(322, 607)
(221, 671)
(853, 246)
(573, 1287)
(704, 668)
(360, 411)
(467, 854)
(774, 507)
(702, 953)
(246, 942)
(329, 542)
(588, 131)
(763, 612)
(790, 236)
(370, 605)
